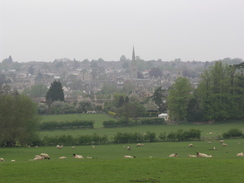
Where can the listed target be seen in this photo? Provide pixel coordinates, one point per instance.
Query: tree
(55, 93)
(38, 90)
(178, 99)
(18, 120)
(159, 97)
(155, 72)
(121, 101)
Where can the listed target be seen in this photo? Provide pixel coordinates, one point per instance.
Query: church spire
(133, 55)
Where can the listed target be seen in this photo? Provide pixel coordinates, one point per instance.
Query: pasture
(151, 164)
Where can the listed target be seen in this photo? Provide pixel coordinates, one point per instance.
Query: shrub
(232, 133)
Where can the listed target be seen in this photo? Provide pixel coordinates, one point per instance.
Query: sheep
(139, 145)
(128, 148)
(214, 148)
(221, 141)
(173, 155)
(209, 142)
(77, 156)
(62, 157)
(202, 155)
(93, 147)
(45, 155)
(59, 147)
(191, 156)
(190, 145)
(1, 159)
(128, 156)
(89, 157)
(13, 160)
(240, 154)
(224, 144)
(38, 157)
(72, 147)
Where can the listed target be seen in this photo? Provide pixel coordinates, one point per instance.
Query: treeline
(119, 138)
(53, 125)
(218, 96)
(128, 122)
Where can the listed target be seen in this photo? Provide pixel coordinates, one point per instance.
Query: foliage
(155, 72)
(220, 93)
(159, 98)
(55, 93)
(233, 133)
(178, 99)
(38, 90)
(181, 135)
(66, 125)
(84, 106)
(18, 120)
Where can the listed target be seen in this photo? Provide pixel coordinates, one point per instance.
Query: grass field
(151, 164)
(98, 119)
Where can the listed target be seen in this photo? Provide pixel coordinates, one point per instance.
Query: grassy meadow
(151, 164)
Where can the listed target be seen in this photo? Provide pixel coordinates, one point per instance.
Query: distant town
(87, 79)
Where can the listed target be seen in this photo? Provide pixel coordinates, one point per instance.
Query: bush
(53, 125)
(232, 133)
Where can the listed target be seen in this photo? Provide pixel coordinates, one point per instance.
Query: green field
(98, 119)
(151, 164)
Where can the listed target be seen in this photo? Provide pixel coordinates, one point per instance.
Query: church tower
(133, 68)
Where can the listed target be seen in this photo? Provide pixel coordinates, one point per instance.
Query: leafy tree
(131, 110)
(159, 97)
(84, 106)
(38, 90)
(155, 72)
(121, 101)
(18, 120)
(55, 93)
(178, 99)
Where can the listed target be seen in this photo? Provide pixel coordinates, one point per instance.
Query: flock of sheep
(43, 156)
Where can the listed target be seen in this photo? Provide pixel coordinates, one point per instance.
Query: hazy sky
(43, 30)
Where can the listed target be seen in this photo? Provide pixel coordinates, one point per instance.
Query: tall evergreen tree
(55, 93)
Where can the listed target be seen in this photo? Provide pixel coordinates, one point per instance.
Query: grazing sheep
(62, 157)
(72, 147)
(191, 156)
(202, 155)
(77, 156)
(139, 145)
(89, 157)
(190, 145)
(93, 147)
(59, 147)
(221, 141)
(224, 144)
(45, 155)
(128, 156)
(214, 148)
(209, 142)
(240, 154)
(173, 155)
(13, 160)
(38, 157)
(1, 159)
(128, 148)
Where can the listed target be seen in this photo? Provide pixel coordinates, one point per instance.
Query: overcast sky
(43, 30)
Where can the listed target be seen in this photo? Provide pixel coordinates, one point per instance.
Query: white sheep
(38, 157)
(89, 157)
(1, 159)
(45, 155)
(221, 141)
(173, 155)
(190, 145)
(224, 144)
(13, 160)
(191, 156)
(240, 154)
(128, 156)
(72, 147)
(202, 155)
(139, 145)
(62, 157)
(59, 147)
(209, 142)
(77, 156)
(128, 148)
